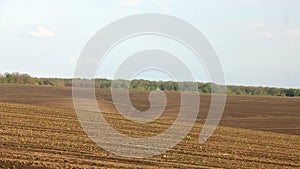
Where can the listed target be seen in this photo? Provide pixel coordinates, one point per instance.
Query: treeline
(17, 78)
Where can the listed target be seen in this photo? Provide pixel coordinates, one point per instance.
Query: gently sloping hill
(275, 114)
(43, 137)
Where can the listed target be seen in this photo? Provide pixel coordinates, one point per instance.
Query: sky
(257, 41)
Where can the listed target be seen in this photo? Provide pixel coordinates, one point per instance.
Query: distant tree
(205, 88)
(162, 87)
(236, 90)
(249, 90)
(290, 92)
(297, 93)
(259, 91)
(9, 78)
(273, 91)
(217, 88)
(18, 78)
(175, 87)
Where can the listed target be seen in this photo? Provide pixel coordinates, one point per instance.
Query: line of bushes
(18, 78)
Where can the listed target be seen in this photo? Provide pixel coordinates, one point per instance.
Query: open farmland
(39, 129)
(274, 114)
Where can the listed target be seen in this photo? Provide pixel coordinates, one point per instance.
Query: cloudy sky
(257, 41)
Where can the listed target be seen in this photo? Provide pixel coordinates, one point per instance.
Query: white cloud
(293, 33)
(160, 2)
(262, 35)
(14, 32)
(293, 37)
(247, 1)
(258, 25)
(267, 34)
(290, 37)
(41, 32)
(130, 3)
(73, 59)
(164, 5)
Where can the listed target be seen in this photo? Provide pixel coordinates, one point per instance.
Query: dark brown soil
(39, 129)
(274, 114)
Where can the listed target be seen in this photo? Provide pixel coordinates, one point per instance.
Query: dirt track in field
(43, 132)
